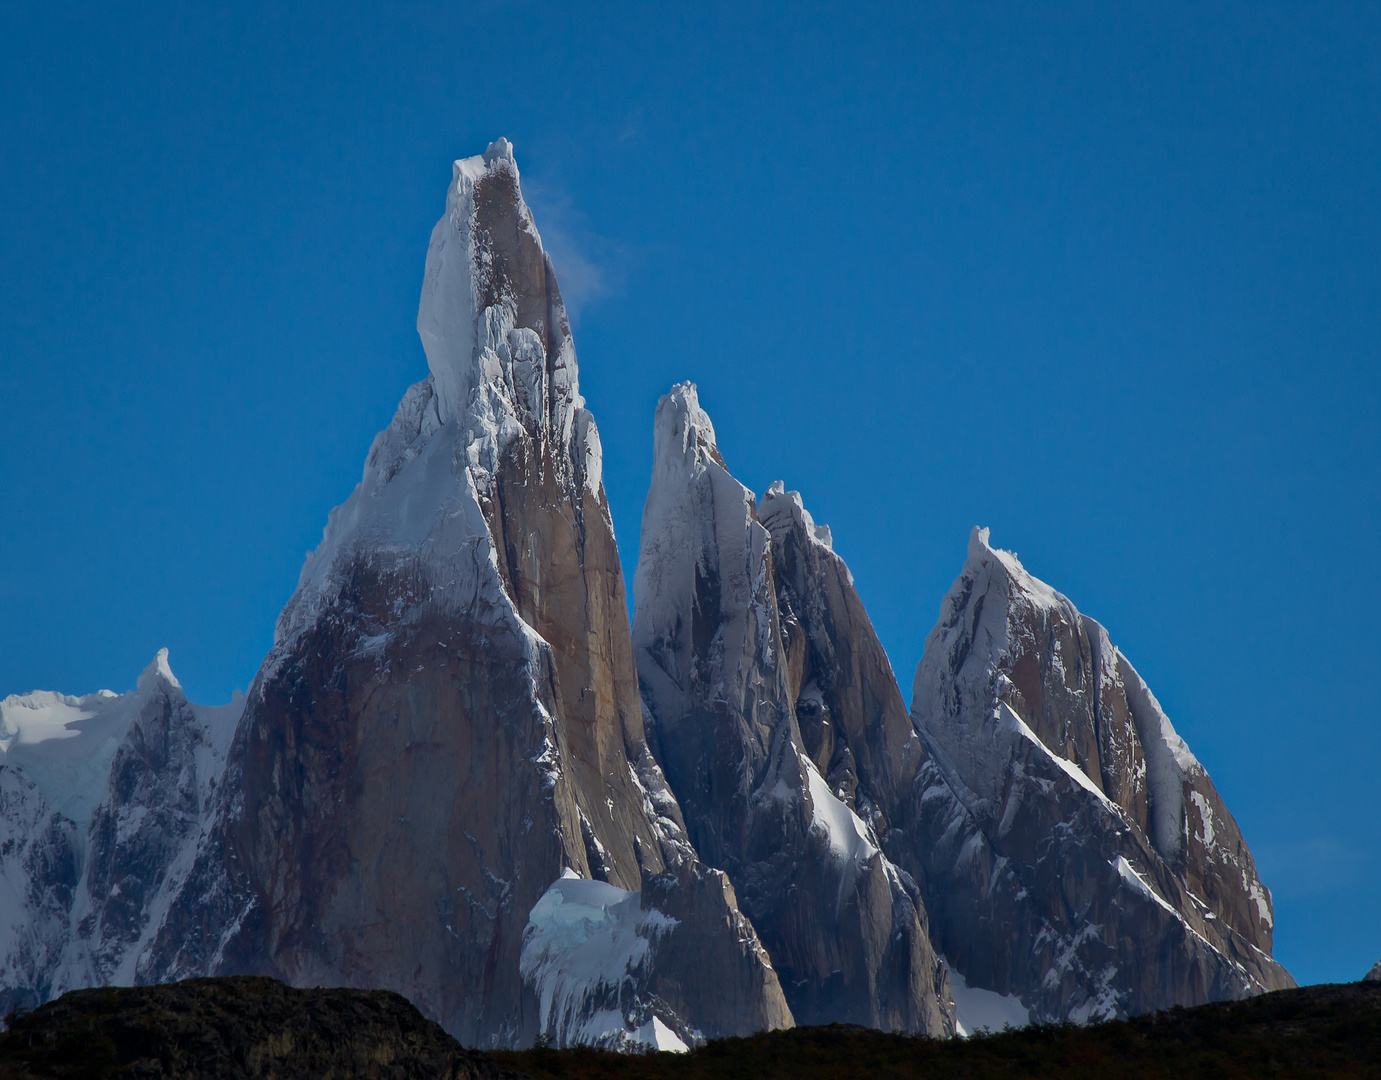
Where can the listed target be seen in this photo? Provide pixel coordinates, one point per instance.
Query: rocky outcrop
(1374, 975)
(1074, 853)
(723, 677)
(449, 722)
(243, 1028)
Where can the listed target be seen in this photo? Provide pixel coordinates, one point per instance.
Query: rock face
(1374, 975)
(1074, 853)
(40, 864)
(724, 677)
(449, 720)
(242, 1028)
(102, 802)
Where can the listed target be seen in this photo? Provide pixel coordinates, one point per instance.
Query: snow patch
(657, 1036)
(976, 1009)
(848, 836)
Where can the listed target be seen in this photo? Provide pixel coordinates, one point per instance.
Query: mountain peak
(500, 148)
(978, 543)
(779, 507)
(158, 671)
(491, 313)
(683, 434)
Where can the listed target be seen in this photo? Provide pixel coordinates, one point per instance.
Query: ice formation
(586, 947)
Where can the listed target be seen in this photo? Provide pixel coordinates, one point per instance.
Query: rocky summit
(1059, 804)
(723, 676)
(461, 775)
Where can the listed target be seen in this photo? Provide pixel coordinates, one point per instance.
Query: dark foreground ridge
(245, 1027)
(1317, 1031)
(232, 1028)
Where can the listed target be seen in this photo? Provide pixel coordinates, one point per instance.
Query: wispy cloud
(588, 265)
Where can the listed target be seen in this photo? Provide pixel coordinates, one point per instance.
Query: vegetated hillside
(232, 1028)
(1318, 1031)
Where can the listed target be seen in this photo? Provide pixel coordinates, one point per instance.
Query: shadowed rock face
(40, 852)
(1073, 851)
(725, 681)
(152, 813)
(848, 706)
(449, 719)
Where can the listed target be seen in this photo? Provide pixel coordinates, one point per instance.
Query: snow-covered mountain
(1059, 805)
(448, 728)
(103, 799)
(460, 774)
(722, 682)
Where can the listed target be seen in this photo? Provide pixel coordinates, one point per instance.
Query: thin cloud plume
(587, 264)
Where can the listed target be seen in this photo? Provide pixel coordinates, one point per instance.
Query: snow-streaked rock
(721, 685)
(449, 717)
(102, 802)
(40, 865)
(1059, 805)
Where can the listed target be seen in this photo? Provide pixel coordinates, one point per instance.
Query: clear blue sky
(1106, 278)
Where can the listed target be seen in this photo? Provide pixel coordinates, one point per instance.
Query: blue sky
(1105, 278)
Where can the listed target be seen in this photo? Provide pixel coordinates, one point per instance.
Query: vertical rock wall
(725, 679)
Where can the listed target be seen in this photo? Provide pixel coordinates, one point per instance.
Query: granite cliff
(723, 676)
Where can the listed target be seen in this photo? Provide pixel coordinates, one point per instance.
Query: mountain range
(462, 775)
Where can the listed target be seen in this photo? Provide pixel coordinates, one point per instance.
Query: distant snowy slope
(102, 801)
